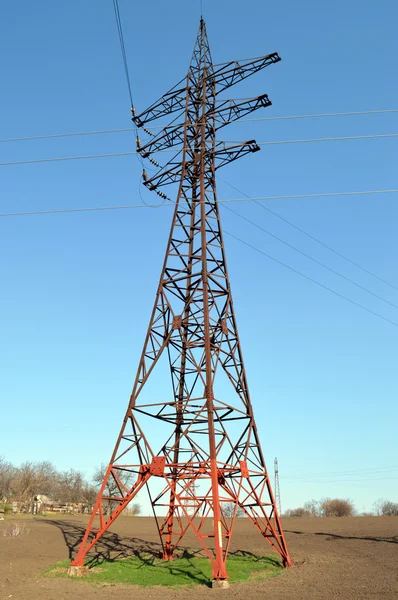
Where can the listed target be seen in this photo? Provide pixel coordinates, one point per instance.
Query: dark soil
(348, 558)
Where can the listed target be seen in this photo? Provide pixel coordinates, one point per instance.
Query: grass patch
(149, 571)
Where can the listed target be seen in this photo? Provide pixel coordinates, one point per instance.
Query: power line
(370, 471)
(131, 153)
(65, 158)
(312, 237)
(122, 46)
(331, 139)
(92, 209)
(312, 280)
(318, 262)
(126, 70)
(60, 135)
(319, 115)
(169, 204)
(125, 129)
(345, 481)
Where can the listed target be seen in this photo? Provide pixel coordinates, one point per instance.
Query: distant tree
(312, 507)
(7, 475)
(32, 479)
(336, 507)
(134, 509)
(386, 508)
(111, 487)
(325, 508)
(300, 511)
(89, 495)
(228, 510)
(70, 486)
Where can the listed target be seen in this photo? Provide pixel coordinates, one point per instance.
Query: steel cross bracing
(198, 440)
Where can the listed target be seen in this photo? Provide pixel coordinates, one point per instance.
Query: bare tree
(34, 478)
(337, 507)
(229, 507)
(7, 475)
(88, 496)
(134, 509)
(70, 486)
(300, 511)
(386, 508)
(313, 508)
(31, 479)
(328, 507)
(111, 487)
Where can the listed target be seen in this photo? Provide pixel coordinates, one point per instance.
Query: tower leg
(87, 544)
(168, 548)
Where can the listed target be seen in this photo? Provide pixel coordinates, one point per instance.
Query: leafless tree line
(30, 479)
(24, 483)
(339, 507)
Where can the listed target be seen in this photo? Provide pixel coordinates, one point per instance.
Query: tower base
(220, 584)
(78, 571)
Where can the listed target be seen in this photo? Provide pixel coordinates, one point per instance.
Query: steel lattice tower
(197, 441)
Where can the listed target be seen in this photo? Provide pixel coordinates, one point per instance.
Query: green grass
(150, 571)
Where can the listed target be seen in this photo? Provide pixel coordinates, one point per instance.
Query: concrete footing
(77, 571)
(220, 584)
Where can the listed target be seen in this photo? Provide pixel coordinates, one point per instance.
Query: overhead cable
(169, 204)
(125, 129)
(316, 261)
(325, 287)
(331, 139)
(345, 481)
(318, 241)
(131, 153)
(122, 46)
(61, 135)
(320, 115)
(370, 471)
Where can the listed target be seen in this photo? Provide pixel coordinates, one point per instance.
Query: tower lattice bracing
(194, 444)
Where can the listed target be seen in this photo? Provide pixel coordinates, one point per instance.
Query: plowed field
(335, 558)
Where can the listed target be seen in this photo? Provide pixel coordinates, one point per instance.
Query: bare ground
(348, 558)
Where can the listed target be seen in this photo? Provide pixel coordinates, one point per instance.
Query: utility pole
(277, 487)
(198, 439)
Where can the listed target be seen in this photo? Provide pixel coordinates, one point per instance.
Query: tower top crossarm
(223, 75)
(184, 99)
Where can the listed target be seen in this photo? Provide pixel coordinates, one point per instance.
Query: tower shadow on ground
(333, 536)
(112, 547)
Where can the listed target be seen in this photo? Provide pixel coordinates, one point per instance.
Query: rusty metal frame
(212, 455)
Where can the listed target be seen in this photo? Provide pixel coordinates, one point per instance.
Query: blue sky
(77, 289)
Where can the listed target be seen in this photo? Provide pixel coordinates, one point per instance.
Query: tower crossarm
(230, 110)
(170, 173)
(170, 102)
(169, 137)
(226, 154)
(228, 74)
(222, 154)
(223, 76)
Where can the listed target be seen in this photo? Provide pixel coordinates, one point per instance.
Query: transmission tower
(277, 487)
(195, 446)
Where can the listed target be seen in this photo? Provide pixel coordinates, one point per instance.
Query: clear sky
(77, 289)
